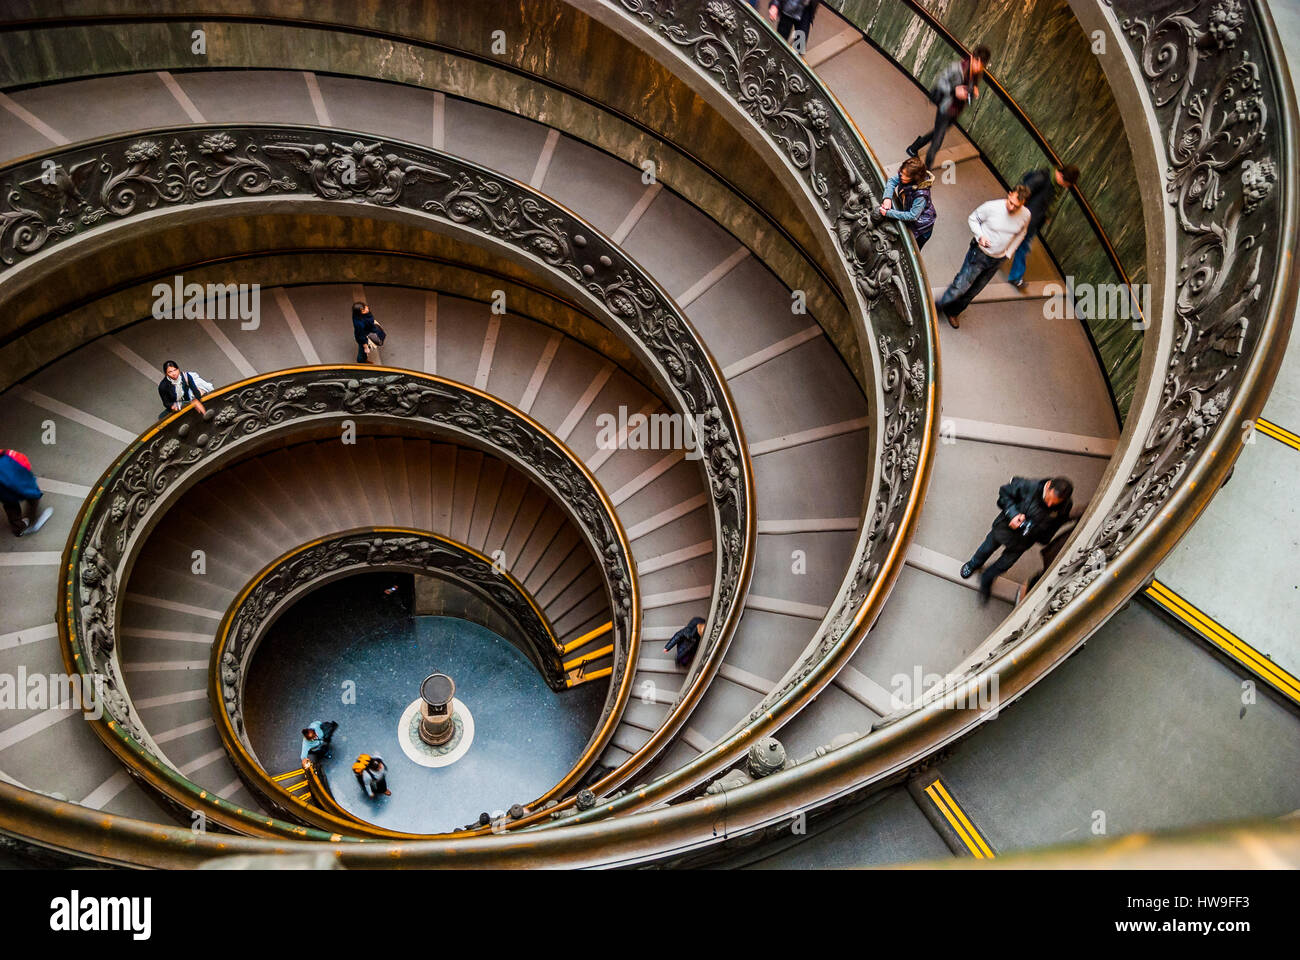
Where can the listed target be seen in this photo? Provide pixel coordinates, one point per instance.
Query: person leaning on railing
(177, 390)
(907, 199)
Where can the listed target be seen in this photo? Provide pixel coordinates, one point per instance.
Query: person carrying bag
(368, 334)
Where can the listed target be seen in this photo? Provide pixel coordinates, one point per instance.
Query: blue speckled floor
(526, 736)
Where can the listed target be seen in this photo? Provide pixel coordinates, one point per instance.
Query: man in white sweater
(999, 226)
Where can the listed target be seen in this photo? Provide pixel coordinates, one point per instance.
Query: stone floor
(350, 633)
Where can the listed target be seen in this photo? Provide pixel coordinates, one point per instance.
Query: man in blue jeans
(1044, 187)
(998, 227)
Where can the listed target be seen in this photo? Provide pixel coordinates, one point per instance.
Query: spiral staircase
(549, 249)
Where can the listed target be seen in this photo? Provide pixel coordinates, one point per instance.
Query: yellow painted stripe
(1280, 434)
(297, 786)
(589, 657)
(587, 637)
(958, 821)
(1213, 631)
(290, 775)
(594, 675)
(961, 814)
(953, 822)
(1228, 642)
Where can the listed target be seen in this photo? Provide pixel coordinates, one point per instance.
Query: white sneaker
(40, 522)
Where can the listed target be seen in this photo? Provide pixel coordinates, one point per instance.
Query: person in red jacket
(20, 494)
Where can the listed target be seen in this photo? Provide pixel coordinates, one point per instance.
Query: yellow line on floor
(591, 657)
(587, 678)
(1214, 632)
(1280, 434)
(959, 822)
(587, 637)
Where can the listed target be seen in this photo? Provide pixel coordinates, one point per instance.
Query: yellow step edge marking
(953, 822)
(988, 852)
(594, 675)
(1229, 643)
(1217, 634)
(1241, 651)
(297, 786)
(959, 822)
(287, 776)
(1280, 434)
(587, 637)
(589, 657)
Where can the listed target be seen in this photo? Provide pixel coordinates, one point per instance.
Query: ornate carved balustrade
(1219, 97)
(1219, 101)
(136, 491)
(132, 183)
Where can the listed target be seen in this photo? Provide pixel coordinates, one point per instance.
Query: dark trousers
(921, 238)
(1005, 561)
(976, 271)
(22, 514)
(934, 138)
(785, 26)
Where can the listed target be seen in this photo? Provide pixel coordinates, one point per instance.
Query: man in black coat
(686, 640)
(1031, 511)
(1044, 187)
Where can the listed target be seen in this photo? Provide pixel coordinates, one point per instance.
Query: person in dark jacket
(796, 14)
(372, 775)
(178, 389)
(907, 199)
(1030, 511)
(365, 331)
(686, 640)
(1044, 187)
(21, 495)
(957, 86)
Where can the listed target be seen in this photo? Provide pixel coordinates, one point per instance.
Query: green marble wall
(1043, 58)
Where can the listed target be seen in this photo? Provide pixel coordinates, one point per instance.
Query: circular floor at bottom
(352, 638)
